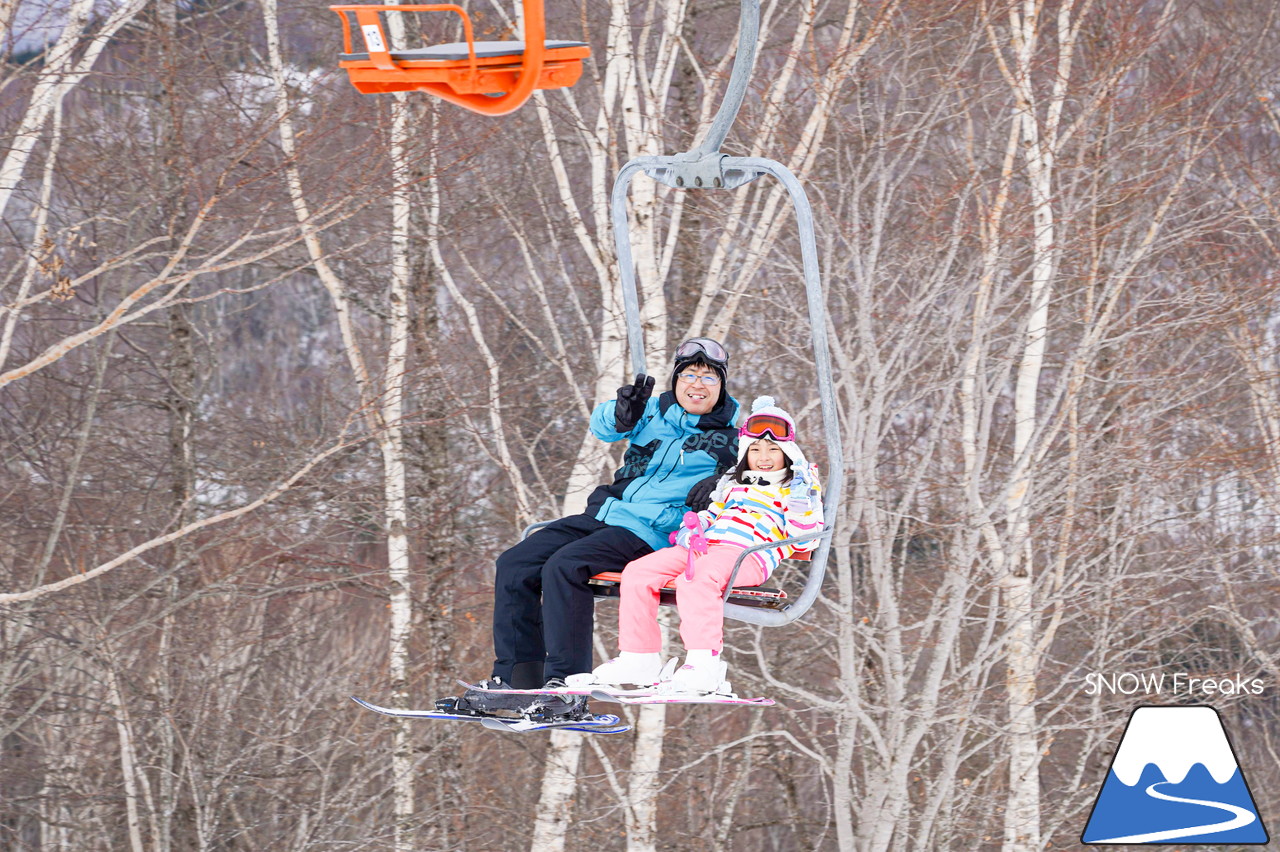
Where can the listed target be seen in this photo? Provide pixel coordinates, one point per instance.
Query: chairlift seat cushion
(607, 584)
(457, 51)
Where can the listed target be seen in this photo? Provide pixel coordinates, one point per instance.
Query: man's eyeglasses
(693, 379)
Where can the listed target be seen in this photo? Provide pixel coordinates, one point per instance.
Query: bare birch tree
(61, 70)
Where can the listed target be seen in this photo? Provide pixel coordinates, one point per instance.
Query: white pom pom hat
(767, 420)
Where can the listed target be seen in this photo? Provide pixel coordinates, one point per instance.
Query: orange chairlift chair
(488, 77)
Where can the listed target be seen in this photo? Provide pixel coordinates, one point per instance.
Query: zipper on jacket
(682, 429)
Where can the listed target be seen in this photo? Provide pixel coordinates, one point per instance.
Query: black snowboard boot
(482, 703)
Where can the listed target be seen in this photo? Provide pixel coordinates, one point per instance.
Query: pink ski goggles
(771, 425)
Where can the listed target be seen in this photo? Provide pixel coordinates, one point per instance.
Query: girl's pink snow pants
(700, 601)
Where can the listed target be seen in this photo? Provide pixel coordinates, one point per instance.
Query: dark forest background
(1048, 236)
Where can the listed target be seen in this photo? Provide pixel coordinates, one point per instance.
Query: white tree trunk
(388, 422)
(128, 758)
(59, 74)
(392, 445)
(645, 778)
(39, 241)
(60, 768)
(1022, 813)
(302, 212)
(564, 753)
(622, 81)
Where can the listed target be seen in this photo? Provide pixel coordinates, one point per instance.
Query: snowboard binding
(535, 707)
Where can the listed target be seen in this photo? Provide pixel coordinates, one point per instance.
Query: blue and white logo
(1175, 778)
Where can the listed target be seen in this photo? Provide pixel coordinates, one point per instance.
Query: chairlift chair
(705, 167)
(488, 77)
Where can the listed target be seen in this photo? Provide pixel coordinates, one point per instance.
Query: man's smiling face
(696, 396)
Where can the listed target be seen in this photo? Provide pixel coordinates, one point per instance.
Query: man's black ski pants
(543, 606)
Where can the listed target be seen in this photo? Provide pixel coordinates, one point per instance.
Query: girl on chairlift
(772, 495)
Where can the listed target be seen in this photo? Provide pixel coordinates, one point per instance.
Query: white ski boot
(703, 672)
(630, 667)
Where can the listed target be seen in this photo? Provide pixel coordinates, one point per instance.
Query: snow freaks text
(1178, 683)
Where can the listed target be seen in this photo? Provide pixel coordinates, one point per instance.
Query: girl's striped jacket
(746, 514)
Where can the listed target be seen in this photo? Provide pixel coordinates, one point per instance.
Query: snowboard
(601, 724)
(604, 723)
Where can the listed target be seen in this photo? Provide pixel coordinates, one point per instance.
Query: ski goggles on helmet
(704, 346)
(771, 425)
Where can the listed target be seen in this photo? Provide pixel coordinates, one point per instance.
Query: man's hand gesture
(631, 403)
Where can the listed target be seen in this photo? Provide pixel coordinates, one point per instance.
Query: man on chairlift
(680, 443)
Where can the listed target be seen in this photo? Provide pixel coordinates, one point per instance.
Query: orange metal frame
(465, 82)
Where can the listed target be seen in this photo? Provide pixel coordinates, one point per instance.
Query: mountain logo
(1175, 779)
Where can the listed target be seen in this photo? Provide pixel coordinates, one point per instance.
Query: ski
(602, 724)
(656, 697)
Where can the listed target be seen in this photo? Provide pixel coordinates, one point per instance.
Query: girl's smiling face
(764, 455)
